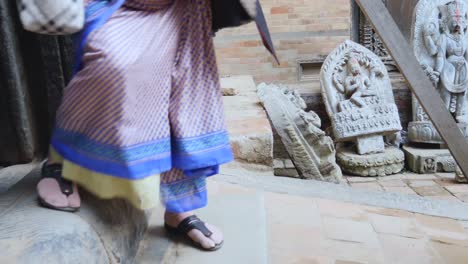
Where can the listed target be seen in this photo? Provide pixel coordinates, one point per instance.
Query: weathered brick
(296, 27)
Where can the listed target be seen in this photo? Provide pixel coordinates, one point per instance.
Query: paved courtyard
(282, 228)
(438, 186)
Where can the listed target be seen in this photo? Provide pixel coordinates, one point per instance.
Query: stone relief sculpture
(359, 100)
(312, 152)
(441, 46)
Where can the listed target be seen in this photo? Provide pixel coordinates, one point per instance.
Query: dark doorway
(33, 71)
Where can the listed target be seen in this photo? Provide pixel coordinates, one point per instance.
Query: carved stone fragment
(312, 152)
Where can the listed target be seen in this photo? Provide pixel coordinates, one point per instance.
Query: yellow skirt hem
(141, 193)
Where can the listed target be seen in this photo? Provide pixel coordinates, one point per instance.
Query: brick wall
(301, 30)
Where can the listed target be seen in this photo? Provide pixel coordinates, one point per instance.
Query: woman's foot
(186, 224)
(55, 192)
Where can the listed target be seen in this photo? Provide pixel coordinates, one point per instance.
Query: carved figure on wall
(446, 43)
(359, 100)
(441, 46)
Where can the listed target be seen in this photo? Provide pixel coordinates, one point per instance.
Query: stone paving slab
(340, 232)
(411, 203)
(303, 229)
(240, 213)
(440, 186)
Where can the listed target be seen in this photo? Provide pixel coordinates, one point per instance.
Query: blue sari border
(213, 157)
(115, 154)
(184, 196)
(136, 162)
(200, 143)
(131, 172)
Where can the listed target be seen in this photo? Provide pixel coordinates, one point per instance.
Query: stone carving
(441, 47)
(359, 100)
(312, 152)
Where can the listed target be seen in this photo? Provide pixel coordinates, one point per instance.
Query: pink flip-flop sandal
(53, 188)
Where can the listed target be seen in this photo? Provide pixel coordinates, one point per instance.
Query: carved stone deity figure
(440, 44)
(359, 100)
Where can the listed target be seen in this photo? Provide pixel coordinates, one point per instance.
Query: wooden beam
(420, 85)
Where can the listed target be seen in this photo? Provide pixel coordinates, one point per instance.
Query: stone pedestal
(424, 160)
(247, 122)
(425, 132)
(370, 144)
(391, 161)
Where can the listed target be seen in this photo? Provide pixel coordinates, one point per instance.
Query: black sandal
(54, 171)
(188, 224)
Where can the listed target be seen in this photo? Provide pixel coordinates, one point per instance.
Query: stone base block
(425, 132)
(423, 160)
(370, 144)
(247, 122)
(391, 161)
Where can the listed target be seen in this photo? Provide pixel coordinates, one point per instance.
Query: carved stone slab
(358, 93)
(312, 152)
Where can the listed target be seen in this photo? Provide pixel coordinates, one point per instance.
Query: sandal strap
(193, 222)
(54, 171)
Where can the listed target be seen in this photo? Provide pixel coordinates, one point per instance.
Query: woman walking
(143, 115)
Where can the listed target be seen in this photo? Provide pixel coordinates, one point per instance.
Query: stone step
(238, 211)
(247, 122)
(99, 233)
(156, 245)
(9, 176)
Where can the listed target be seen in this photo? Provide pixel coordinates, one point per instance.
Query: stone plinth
(247, 123)
(424, 160)
(391, 161)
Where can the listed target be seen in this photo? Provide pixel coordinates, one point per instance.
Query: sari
(143, 114)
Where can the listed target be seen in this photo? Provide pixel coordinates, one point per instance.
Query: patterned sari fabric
(144, 104)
